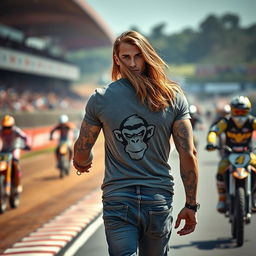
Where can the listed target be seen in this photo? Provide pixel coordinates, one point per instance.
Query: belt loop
(138, 190)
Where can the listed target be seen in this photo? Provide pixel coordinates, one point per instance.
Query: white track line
(85, 235)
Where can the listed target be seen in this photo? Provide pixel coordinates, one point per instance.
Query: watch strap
(194, 207)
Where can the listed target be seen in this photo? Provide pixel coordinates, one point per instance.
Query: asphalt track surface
(45, 196)
(213, 233)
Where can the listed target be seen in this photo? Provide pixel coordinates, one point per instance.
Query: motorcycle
(7, 186)
(240, 194)
(63, 152)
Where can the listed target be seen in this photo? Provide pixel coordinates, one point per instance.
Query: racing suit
(64, 136)
(10, 143)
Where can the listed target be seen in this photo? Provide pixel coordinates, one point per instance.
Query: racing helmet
(192, 109)
(240, 108)
(8, 122)
(63, 119)
(223, 110)
(226, 109)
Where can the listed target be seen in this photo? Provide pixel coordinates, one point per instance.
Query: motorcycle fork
(248, 192)
(8, 179)
(231, 191)
(234, 184)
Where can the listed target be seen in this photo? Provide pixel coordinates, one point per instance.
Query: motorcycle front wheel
(14, 198)
(239, 216)
(3, 196)
(62, 166)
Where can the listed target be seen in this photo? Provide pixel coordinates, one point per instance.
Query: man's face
(130, 56)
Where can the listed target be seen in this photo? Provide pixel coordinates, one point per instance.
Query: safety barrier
(40, 137)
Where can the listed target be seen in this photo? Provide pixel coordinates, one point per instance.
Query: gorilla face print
(134, 133)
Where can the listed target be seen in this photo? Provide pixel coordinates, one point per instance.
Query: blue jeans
(138, 219)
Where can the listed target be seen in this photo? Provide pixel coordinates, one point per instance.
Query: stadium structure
(35, 36)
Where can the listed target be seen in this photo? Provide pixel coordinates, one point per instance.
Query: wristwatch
(194, 207)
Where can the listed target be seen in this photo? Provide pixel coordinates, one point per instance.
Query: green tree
(230, 21)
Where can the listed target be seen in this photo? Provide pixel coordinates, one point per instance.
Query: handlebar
(225, 147)
(230, 150)
(23, 147)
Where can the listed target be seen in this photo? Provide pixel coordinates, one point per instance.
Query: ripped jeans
(138, 221)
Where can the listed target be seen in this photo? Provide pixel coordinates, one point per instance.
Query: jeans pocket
(114, 215)
(160, 222)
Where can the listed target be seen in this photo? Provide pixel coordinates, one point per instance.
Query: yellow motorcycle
(240, 195)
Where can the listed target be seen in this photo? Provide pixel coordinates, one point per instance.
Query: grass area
(37, 152)
(183, 70)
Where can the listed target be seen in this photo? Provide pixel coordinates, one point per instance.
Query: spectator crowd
(14, 99)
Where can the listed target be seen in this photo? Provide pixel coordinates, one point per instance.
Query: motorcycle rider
(64, 127)
(9, 135)
(238, 128)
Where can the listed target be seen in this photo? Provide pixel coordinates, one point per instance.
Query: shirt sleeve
(182, 108)
(92, 111)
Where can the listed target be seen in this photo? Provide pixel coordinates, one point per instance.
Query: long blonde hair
(152, 87)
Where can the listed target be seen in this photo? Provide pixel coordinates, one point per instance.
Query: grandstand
(35, 36)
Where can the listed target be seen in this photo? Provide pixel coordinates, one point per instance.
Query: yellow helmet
(8, 121)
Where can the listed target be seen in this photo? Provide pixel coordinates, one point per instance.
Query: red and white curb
(53, 236)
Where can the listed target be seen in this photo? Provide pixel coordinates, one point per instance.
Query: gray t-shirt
(137, 140)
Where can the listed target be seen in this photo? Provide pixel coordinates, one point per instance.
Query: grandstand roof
(71, 24)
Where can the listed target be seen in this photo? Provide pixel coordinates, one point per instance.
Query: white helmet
(227, 109)
(192, 109)
(63, 119)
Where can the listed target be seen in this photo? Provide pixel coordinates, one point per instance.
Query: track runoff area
(65, 233)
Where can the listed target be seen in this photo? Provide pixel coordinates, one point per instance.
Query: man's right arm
(83, 146)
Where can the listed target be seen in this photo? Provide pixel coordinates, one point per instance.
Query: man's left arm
(183, 139)
(83, 146)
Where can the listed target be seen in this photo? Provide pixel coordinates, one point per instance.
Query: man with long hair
(139, 112)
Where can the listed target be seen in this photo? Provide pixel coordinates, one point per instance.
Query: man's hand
(82, 168)
(210, 147)
(190, 221)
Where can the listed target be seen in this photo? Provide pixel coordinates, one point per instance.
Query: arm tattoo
(87, 137)
(189, 179)
(181, 135)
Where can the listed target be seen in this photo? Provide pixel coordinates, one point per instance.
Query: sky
(121, 15)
